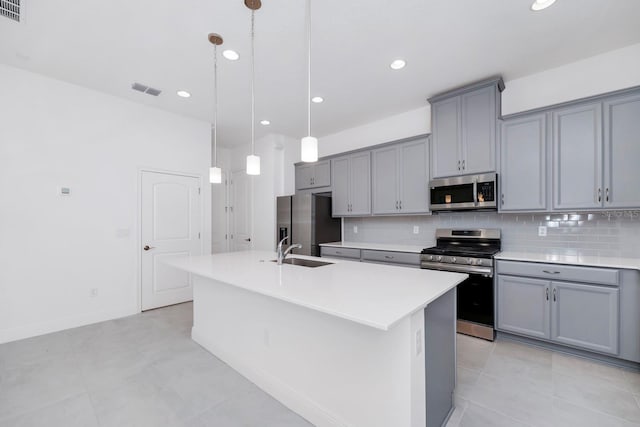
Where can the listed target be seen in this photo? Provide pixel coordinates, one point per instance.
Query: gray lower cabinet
(585, 316)
(351, 254)
(407, 259)
(577, 154)
(523, 306)
(583, 313)
(400, 176)
(351, 184)
(622, 152)
(523, 164)
(313, 175)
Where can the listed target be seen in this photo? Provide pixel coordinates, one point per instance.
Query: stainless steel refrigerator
(307, 220)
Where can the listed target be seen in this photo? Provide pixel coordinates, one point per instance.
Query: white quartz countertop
(611, 262)
(376, 246)
(370, 294)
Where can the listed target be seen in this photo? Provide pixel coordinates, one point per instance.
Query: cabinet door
(524, 164)
(577, 157)
(585, 316)
(360, 179)
(385, 180)
(446, 134)
(523, 306)
(304, 173)
(340, 178)
(414, 177)
(622, 152)
(322, 174)
(478, 149)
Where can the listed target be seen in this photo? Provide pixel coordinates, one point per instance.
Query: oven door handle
(471, 269)
(475, 192)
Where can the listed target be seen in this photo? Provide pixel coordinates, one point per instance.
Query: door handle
(606, 197)
(248, 239)
(599, 195)
(147, 247)
(550, 272)
(547, 293)
(463, 165)
(400, 204)
(388, 257)
(458, 164)
(554, 295)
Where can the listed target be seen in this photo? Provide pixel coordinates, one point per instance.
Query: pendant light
(215, 173)
(253, 161)
(309, 144)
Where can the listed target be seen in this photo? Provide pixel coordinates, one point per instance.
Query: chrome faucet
(283, 255)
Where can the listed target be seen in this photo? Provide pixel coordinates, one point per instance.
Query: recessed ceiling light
(398, 64)
(231, 55)
(541, 4)
(183, 94)
(317, 99)
(265, 122)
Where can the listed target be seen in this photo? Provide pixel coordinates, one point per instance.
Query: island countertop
(375, 295)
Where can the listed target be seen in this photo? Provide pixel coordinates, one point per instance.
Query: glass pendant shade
(253, 165)
(215, 175)
(309, 149)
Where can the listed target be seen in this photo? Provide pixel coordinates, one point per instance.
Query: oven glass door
(475, 300)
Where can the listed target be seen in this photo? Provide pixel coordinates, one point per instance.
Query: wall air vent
(143, 88)
(10, 9)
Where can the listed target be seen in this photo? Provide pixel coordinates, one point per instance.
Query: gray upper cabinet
(585, 316)
(524, 164)
(622, 152)
(479, 123)
(523, 306)
(464, 123)
(400, 175)
(352, 184)
(577, 157)
(313, 175)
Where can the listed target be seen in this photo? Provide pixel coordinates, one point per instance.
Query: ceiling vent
(10, 9)
(142, 88)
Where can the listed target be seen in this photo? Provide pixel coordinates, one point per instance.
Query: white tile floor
(144, 370)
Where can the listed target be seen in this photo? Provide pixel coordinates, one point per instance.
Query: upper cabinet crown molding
(464, 126)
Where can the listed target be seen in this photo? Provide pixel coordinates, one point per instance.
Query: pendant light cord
(253, 99)
(309, 67)
(215, 105)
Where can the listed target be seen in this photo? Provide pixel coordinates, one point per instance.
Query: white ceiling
(107, 45)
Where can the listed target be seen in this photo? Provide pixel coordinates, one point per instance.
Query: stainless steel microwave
(468, 192)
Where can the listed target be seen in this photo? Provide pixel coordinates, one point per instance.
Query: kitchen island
(344, 344)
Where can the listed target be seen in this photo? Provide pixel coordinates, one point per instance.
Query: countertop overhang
(580, 260)
(374, 295)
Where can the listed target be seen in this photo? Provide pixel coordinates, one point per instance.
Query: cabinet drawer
(570, 273)
(391, 257)
(328, 251)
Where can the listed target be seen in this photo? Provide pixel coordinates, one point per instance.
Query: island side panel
(332, 371)
(440, 358)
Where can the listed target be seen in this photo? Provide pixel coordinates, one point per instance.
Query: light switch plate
(64, 191)
(355, 229)
(542, 231)
(416, 229)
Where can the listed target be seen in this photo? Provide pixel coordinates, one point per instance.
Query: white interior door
(170, 226)
(240, 201)
(219, 215)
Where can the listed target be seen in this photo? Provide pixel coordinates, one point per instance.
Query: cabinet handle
(388, 257)
(547, 293)
(400, 204)
(338, 252)
(554, 295)
(463, 165)
(599, 195)
(458, 164)
(502, 199)
(607, 195)
(550, 272)
(396, 205)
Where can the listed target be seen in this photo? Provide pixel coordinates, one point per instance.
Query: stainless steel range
(471, 252)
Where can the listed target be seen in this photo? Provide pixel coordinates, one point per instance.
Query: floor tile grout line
(501, 413)
(593, 410)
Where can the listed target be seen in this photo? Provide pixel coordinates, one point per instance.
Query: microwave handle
(475, 192)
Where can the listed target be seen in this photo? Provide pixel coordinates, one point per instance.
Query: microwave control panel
(486, 191)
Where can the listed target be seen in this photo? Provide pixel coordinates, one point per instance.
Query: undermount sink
(303, 262)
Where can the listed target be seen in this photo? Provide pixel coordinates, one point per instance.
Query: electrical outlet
(418, 342)
(355, 229)
(93, 292)
(416, 229)
(542, 231)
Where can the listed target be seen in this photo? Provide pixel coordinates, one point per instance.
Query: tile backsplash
(605, 233)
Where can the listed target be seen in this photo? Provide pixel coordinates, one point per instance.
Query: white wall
(54, 249)
(617, 69)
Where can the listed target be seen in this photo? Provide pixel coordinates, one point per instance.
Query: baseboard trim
(56, 325)
(292, 399)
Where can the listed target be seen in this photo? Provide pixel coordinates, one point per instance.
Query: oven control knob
(470, 261)
(453, 260)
